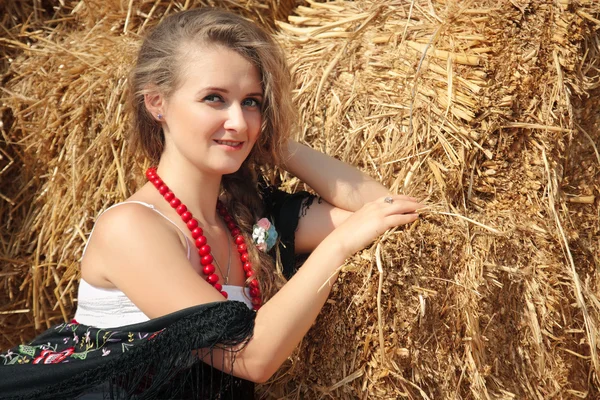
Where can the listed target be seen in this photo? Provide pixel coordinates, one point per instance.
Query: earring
(159, 116)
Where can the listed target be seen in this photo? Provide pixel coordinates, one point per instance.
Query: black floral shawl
(150, 360)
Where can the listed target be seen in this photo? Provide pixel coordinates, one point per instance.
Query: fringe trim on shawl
(162, 365)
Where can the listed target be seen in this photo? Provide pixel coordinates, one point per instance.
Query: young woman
(187, 260)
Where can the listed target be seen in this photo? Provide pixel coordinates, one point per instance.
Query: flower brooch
(264, 235)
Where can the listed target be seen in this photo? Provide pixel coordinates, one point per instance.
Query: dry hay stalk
(492, 294)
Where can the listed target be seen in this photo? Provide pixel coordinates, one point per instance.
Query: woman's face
(214, 118)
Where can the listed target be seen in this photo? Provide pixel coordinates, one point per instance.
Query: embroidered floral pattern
(74, 342)
(264, 235)
(53, 357)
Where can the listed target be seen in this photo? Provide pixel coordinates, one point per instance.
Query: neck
(198, 190)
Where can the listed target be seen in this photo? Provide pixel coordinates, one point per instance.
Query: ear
(155, 104)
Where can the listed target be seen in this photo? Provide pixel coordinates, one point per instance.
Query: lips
(231, 143)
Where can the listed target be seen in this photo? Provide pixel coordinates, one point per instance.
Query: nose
(236, 119)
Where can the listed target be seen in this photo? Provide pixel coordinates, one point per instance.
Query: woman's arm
(343, 188)
(284, 320)
(338, 183)
(144, 258)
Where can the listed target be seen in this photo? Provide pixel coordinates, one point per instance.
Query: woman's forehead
(217, 65)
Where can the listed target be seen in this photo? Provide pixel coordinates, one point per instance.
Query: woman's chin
(222, 166)
(227, 169)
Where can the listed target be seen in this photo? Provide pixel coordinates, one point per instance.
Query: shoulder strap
(150, 206)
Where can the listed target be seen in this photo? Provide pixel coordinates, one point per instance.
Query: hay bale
(492, 294)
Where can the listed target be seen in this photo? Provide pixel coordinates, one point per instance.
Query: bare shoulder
(118, 233)
(142, 255)
(131, 222)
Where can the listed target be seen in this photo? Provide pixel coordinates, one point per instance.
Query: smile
(230, 143)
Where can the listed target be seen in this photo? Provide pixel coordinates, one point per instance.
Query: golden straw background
(487, 110)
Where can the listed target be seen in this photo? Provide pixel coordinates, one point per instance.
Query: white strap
(150, 206)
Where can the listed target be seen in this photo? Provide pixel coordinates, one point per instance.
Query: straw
(486, 112)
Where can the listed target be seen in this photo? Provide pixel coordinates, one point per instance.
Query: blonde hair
(159, 68)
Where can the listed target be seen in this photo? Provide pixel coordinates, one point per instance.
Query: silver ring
(388, 200)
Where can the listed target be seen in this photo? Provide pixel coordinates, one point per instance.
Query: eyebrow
(222, 90)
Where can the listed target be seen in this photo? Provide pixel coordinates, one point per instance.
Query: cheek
(256, 124)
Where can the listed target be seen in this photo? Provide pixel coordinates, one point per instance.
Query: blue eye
(251, 103)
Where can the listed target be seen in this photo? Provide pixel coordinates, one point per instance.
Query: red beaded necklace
(204, 250)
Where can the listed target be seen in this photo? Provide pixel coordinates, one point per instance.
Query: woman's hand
(343, 189)
(284, 320)
(372, 220)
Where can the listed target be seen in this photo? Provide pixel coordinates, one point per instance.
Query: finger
(403, 207)
(396, 197)
(425, 208)
(401, 219)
